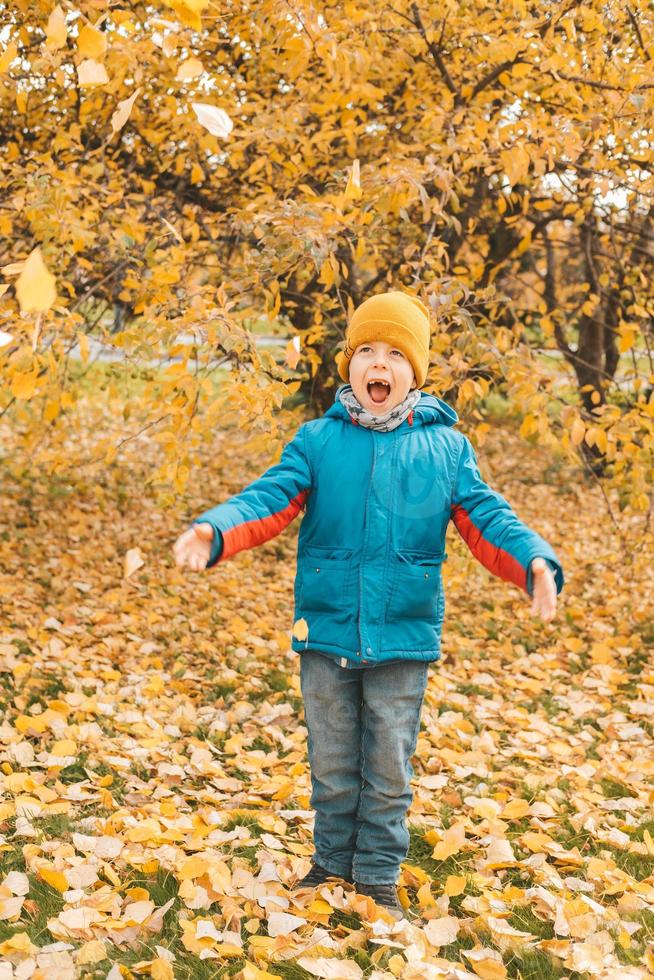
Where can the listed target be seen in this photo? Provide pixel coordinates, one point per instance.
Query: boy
(379, 476)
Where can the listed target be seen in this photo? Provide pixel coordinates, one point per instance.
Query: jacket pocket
(324, 575)
(415, 586)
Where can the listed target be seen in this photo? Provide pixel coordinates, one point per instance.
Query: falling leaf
(91, 43)
(35, 286)
(122, 113)
(214, 119)
(189, 69)
(353, 187)
(133, 561)
(56, 30)
(300, 629)
(292, 353)
(91, 73)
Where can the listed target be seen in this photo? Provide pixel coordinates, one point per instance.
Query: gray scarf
(381, 423)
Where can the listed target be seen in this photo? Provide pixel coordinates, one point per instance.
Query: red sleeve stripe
(252, 533)
(496, 560)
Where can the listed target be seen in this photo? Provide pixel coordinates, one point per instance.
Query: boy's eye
(394, 351)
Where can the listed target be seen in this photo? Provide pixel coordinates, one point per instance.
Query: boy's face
(372, 364)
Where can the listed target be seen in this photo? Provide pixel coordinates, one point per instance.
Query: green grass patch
(474, 690)
(187, 966)
(545, 703)
(348, 920)
(522, 917)
(633, 956)
(42, 903)
(220, 691)
(534, 964)
(453, 950)
(76, 771)
(290, 971)
(54, 826)
(261, 744)
(638, 833)
(248, 853)
(420, 854)
(639, 866)
(276, 680)
(613, 789)
(244, 820)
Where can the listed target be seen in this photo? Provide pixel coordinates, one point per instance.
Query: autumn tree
(187, 168)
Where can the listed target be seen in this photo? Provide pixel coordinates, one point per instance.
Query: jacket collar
(430, 410)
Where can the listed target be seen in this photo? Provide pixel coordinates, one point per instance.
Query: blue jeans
(362, 731)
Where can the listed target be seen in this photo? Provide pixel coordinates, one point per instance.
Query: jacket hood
(430, 410)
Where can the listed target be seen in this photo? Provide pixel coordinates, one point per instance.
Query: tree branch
(435, 52)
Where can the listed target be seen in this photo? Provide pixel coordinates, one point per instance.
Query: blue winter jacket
(372, 540)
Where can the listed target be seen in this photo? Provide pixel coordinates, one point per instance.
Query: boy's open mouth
(379, 391)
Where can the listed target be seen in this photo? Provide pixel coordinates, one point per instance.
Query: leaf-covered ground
(154, 807)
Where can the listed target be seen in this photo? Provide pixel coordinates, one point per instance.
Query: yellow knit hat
(395, 318)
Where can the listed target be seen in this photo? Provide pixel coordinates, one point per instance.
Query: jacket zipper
(365, 542)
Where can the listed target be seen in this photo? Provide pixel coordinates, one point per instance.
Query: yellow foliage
(91, 43)
(35, 287)
(56, 29)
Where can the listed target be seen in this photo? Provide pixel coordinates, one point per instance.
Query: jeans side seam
(364, 729)
(414, 741)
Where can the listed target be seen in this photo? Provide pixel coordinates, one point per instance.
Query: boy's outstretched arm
(260, 512)
(499, 539)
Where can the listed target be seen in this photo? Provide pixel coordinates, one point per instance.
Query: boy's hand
(543, 590)
(193, 547)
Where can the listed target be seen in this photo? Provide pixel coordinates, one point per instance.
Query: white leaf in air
(90, 72)
(133, 561)
(189, 69)
(215, 120)
(122, 113)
